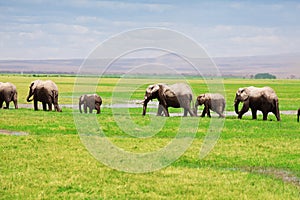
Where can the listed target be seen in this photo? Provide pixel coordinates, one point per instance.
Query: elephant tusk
(140, 102)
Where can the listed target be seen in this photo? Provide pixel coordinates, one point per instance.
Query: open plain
(252, 159)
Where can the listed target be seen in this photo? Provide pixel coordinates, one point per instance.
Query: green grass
(253, 159)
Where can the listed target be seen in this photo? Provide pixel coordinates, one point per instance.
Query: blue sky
(72, 29)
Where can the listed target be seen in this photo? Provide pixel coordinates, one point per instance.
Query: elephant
(8, 93)
(263, 99)
(214, 102)
(45, 92)
(93, 101)
(178, 95)
(298, 114)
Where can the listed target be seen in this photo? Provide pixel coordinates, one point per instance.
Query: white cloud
(224, 28)
(122, 5)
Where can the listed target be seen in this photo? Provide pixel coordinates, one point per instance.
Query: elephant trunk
(30, 94)
(236, 106)
(28, 98)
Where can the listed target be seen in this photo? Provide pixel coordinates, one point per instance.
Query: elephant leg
(191, 112)
(97, 107)
(159, 110)
(50, 106)
(85, 108)
(185, 112)
(254, 113)
(265, 115)
(165, 109)
(44, 106)
(35, 105)
(166, 112)
(16, 104)
(203, 113)
(90, 109)
(208, 112)
(220, 113)
(1, 104)
(7, 105)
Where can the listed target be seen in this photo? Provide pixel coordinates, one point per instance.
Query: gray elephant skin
(214, 102)
(178, 95)
(8, 93)
(263, 99)
(91, 101)
(45, 92)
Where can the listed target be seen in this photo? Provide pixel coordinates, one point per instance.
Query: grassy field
(253, 159)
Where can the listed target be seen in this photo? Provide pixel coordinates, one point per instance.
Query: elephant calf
(8, 93)
(214, 102)
(91, 101)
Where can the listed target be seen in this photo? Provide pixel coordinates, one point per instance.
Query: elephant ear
(168, 92)
(244, 93)
(82, 98)
(205, 96)
(152, 89)
(33, 85)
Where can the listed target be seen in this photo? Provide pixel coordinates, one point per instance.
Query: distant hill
(282, 66)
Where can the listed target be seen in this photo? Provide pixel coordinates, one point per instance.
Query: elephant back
(48, 85)
(8, 87)
(181, 89)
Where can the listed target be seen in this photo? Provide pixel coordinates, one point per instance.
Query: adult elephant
(8, 93)
(178, 95)
(45, 92)
(91, 101)
(214, 102)
(263, 99)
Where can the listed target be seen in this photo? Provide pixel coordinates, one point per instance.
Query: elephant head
(242, 95)
(152, 92)
(201, 99)
(32, 88)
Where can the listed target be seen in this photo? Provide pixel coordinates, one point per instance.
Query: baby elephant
(93, 101)
(214, 102)
(8, 93)
(298, 115)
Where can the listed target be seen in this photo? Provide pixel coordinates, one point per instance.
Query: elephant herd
(178, 95)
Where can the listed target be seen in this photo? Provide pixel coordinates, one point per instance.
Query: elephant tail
(194, 107)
